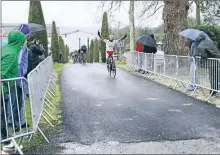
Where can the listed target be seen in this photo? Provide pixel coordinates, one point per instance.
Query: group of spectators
(21, 53)
(200, 47)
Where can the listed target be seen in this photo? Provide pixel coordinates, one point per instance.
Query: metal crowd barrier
(14, 111)
(23, 102)
(185, 70)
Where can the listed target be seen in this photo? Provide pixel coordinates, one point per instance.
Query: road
(130, 114)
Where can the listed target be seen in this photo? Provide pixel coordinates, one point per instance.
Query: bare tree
(131, 25)
(116, 5)
(210, 10)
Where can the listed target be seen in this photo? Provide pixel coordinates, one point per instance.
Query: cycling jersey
(110, 44)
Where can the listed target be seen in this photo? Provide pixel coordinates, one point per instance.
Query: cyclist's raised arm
(123, 37)
(102, 39)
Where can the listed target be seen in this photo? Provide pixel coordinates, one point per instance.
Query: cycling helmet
(111, 37)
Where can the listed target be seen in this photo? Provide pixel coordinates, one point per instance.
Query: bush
(213, 31)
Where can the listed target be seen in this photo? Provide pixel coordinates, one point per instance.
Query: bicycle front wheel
(113, 70)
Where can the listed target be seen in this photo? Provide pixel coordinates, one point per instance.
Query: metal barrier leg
(49, 101)
(19, 143)
(30, 138)
(51, 96)
(48, 114)
(176, 85)
(17, 147)
(47, 121)
(203, 92)
(163, 80)
(53, 84)
(43, 134)
(183, 85)
(209, 97)
(55, 74)
(49, 106)
(186, 88)
(150, 73)
(52, 90)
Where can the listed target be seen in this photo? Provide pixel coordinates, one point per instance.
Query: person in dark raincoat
(208, 49)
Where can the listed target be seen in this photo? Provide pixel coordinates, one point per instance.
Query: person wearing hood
(18, 105)
(9, 69)
(208, 49)
(35, 49)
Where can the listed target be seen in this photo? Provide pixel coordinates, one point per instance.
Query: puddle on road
(174, 110)
(152, 99)
(187, 104)
(98, 105)
(128, 119)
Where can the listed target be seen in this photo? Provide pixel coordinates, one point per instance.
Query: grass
(58, 67)
(120, 62)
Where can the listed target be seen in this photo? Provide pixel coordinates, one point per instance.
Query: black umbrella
(146, 40)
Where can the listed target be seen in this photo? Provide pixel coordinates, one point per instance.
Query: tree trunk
(131, 25)
(175, 20)
(198, 16)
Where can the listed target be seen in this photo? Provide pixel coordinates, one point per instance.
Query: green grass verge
(120, 62)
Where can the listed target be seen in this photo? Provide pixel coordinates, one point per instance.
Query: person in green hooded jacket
(208, 49)
(9, 69)
(9, 56)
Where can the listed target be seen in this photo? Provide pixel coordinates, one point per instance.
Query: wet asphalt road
(130, 114)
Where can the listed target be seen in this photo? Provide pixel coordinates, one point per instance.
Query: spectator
(18, 108)
(148, 49)
(41, 57)
(22, 71)
(9, 69)
(35, 49)
(208, 49)
(194, 52)
(60, 57)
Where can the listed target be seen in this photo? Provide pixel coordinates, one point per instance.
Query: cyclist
(82, 52)
(110, 44)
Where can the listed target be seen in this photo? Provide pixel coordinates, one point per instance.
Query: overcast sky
(73, 15)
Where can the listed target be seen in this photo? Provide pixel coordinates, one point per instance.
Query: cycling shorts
(110, 53)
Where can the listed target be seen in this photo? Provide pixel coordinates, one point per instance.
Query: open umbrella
(192, 34)
(146, 40)
(33, 27)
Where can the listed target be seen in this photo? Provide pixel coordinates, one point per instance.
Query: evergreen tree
(54, 43)
(66, 53)
(91, 48)
(104, 34)
(62, 48)
(36, 16)
(96, 51)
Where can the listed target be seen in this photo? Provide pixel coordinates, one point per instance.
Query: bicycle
(111, 66)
